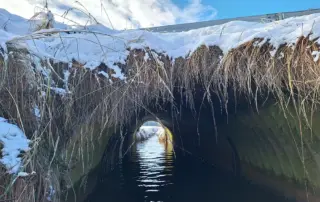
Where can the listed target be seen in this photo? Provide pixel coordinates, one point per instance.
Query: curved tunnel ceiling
(265, 141)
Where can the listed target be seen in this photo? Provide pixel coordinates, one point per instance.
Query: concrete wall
(265, 146)
(270, 151)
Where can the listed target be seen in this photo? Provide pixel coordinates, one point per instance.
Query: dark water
(152, 173)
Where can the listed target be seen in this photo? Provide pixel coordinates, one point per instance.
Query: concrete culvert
(239, 113)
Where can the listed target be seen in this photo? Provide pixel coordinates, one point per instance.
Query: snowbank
(14, 142)
(98, 44)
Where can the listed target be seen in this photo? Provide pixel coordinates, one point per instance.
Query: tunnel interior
(250, 140)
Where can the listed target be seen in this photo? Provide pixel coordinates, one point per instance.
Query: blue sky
(236, 8)
(129, 14)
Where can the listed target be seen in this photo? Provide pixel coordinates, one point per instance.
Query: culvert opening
(151, 129)
(151, 161)
(152, 171)
(204, 165)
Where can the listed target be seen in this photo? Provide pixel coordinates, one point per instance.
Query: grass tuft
(89, 100)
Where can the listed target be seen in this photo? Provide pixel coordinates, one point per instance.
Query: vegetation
(68, 121)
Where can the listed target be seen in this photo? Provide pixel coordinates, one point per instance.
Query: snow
(104, 74)
(98, 44)
(51, 192)
(43, 18)
(66, 75)
(316, 55)
(273, 52)
(146, 57)
(23, 174)
(13, 141)
(36, 112)
(148, 131)
(59, 91)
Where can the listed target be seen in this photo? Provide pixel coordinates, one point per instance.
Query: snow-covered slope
(97, 44)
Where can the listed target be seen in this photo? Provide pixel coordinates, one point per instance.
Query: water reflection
(155, 160)
(151, 172)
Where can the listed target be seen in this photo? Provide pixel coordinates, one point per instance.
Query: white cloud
(122, 13)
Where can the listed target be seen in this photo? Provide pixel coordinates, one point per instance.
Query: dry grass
(43, 19)
(291, 76)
